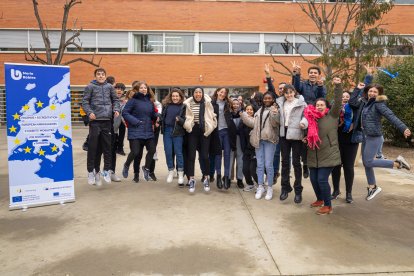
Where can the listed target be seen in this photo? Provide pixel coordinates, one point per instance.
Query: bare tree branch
(91, 61)
(43, 32)
(33, 57)
(281, 64)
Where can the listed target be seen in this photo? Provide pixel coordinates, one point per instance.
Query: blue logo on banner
(17, 199)
(56, 194)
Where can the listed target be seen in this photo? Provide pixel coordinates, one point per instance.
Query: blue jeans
(225, 145)
(264, 156)
(319, 179)
(370, 146)
(171, 142)
(379, 152)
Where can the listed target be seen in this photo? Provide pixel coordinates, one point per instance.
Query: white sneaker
(114, 177)
(155, 156)
(403, 163)
(269, 193)
(191, 183)
(206, 184)
(106, 176)
(248, 188)
(180, 177)
(98, 179)
(170, 176)
(259, 192)
(91, 178)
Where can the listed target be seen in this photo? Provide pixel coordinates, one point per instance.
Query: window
(36, 40)
(276, 44)
(13, 40)
(304, 47)
(112, 41)
(245, 43)
(179, 43)
(149, 43)
(401, 50)
(87, 40)
(214, 43)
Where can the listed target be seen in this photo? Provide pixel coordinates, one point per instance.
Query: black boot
(226, 183)
(136, 177)
(305, 172)
(298, 198)
(349, 198)
(240, 184)
(219, 182)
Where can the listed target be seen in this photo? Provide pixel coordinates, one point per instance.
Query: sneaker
(240, 184)
(146, 173)
(259, 192)
(125, 171)
(114, 177)
(175, 174)
(318, 203)
(248, 188)
(91, 178)
(191, 184)
(335, 195)
(98, 180)
(349, 198)
(170, 176)
(269, 193)
(155, 156)
(403, 163)
(372, 192)
(325, 210)
(107, 176)
(180, 178)
(206, 184)
(152, 176)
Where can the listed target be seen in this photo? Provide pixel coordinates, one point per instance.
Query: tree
(350, 34)
(56, 58)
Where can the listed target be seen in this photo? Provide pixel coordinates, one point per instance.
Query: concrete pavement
(156, 228)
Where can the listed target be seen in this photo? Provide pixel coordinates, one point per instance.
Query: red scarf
(313, 115)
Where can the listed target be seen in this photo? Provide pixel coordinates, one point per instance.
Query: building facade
(174, 43)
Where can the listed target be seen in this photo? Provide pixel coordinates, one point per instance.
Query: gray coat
(101, 100)
(294, 130)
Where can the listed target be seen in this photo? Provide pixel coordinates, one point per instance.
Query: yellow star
(66, 127)
(54, 148)
(62, 116)
(53, 107)
(12, 129)
(63, 139)
(17, 141)
(16, 116)
(27, 149)
(26, 107)
(39, 104)
(41, 152)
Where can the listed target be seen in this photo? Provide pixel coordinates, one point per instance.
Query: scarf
(313, 115)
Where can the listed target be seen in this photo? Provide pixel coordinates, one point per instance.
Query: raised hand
(407, 133)
(337, 80)
(361, 85)
(274, 109)
(370, 70)
(320, 81)
(253, 95)
(296, 67)
(266, 69)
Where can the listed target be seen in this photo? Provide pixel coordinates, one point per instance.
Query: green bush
(400, 93)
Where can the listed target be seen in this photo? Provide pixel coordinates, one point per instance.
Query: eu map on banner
(39, 135)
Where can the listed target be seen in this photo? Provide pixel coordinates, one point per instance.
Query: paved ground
(156, 228)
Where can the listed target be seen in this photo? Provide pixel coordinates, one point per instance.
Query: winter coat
(139, 113)
(178, 126)
(101, 100)
(208, 119)
(328, 154)
(270, 123)
(231, 126)
(309, 91)
(294, 130)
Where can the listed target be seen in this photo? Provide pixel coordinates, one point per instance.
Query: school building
(173, 43)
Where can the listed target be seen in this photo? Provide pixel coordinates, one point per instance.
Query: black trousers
(113, 153)
(121, 137)
(348, 155)
(296, 147)
(249, 167)
(304, 154)
(137, 147)
(197, 141)
(99, 136)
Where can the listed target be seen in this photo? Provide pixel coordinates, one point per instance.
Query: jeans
(264, 156)
(379, 152)
(173, 144)
(319, 179)
(225, 145)
(370, 146)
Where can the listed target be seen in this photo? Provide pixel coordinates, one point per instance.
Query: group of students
(296, 122)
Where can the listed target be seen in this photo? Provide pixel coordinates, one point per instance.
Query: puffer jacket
(328, 154)
(309, 91)
(208, 119)
(270, 123)
(294, 131)
(101, 100)
(139, 113)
